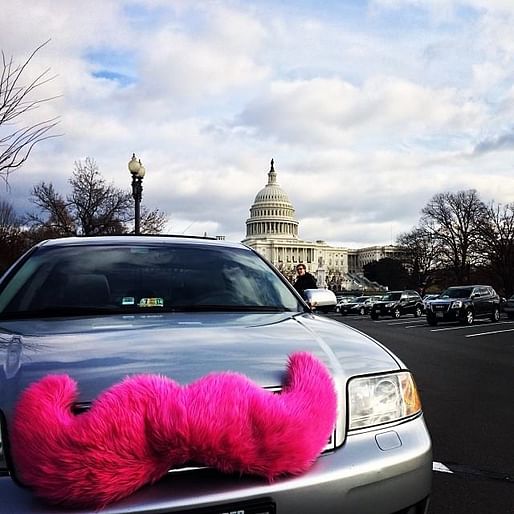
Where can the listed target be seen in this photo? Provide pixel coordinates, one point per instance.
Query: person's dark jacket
(306, 281)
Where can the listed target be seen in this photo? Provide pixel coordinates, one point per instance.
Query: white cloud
(367, 114)
(331, 111)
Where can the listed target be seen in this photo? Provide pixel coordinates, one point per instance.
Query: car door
(415, 301)
(488, 297)
(404, 302)
(408, 306)
(480, 301)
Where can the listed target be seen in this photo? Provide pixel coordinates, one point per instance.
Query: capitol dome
(272, 214)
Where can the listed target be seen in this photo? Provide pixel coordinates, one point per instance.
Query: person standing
(304, 280)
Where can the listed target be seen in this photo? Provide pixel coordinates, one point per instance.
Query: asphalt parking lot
(465, 375)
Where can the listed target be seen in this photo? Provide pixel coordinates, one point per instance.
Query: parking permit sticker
(151, 302)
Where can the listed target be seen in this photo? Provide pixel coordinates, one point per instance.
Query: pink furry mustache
(138, 429)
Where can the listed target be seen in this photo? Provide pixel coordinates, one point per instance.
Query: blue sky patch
(123, 80)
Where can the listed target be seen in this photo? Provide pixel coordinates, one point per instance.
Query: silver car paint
(366, 474)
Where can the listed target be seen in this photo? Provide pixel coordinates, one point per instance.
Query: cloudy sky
(369, 108)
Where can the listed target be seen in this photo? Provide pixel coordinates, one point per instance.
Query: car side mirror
(320, 297)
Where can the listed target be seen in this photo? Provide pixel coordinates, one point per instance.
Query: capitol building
(273, 231)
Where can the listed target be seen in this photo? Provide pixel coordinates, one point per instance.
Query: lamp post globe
(134, 164)
(137, 170)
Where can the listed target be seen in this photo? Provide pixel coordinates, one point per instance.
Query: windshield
(457, 292)
(95, 279)
(391, 297)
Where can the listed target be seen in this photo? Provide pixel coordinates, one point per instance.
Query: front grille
(440, 307)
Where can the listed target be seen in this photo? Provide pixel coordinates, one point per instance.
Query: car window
(139, 277)
(457, 292)
(392, 297)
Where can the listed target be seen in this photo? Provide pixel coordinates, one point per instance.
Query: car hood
(448, 300)
(100, 351)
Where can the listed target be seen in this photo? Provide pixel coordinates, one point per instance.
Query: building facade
(273, 231)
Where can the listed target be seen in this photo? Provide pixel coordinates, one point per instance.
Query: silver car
(101, 309)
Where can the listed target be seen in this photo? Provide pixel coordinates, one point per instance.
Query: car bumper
(383, 311)
(376, 472)
(450, 315)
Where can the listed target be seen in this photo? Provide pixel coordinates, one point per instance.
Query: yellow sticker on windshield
(151, 302)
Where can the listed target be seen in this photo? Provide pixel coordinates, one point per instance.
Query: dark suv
(397, 303)
(464, 304)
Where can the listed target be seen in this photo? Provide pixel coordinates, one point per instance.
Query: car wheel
(432, 320)
(417, 312)
(374, 315)
(469, 317)
(396, 313)
(495, 316)
(362, 311)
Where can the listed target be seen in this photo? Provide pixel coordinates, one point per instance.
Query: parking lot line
(460, 327)
(439, 466)
(491, 332)
(405, 322)
(470, 471)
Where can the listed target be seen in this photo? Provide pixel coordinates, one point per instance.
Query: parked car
(362, 305)
(429, 297)
(359, 305)
(464, 304)
(343, 301)
(398, 303)
(508, 307)
(102, 313)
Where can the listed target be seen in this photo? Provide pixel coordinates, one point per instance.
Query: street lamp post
(137, 170)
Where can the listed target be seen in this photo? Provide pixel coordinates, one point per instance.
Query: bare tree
(152, 222)
(420, 255)
(56, 217)
(93, 207)
(8, 218)
(98, 207)
(498, 235)
(454, 220)
(12, 237)
(17, 99)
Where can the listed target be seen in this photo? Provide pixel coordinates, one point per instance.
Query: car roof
(139, 240)
(468, 285)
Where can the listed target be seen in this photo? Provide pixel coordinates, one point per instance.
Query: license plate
(243, 508)
(439, 314)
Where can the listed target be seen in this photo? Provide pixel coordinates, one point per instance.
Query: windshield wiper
(62, 312)
(226, 308)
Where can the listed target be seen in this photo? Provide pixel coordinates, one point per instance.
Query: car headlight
(457, 304)
(381, 399)
(389, 305)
